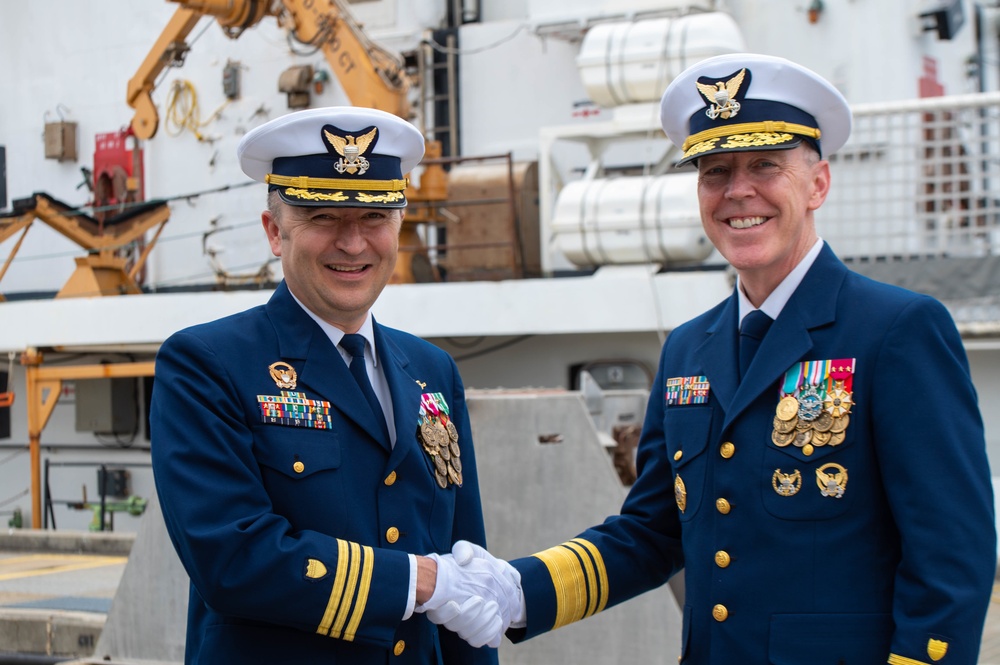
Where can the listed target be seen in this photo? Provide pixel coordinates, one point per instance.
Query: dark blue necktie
(752, 330)
(355, 345)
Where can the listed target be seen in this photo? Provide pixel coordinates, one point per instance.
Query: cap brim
(741, 143)
(313, 198)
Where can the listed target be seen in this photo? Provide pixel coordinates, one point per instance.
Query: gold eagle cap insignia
(721, 96)
(342, 143)
(351, 150)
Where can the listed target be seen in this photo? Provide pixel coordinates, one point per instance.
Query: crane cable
(183, 111)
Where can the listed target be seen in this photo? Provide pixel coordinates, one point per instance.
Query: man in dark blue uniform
(301, 450)
(813, 454)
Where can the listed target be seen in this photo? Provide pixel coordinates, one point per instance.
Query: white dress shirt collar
(775, 302)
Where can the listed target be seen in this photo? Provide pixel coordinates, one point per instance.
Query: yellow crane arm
(169, 48)
(370, 75)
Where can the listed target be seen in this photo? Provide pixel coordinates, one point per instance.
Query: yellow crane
(370, 75)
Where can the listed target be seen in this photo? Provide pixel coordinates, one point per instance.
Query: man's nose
(740, 185)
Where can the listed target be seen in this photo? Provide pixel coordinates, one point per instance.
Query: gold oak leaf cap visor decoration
(745, 101)
(341, 156)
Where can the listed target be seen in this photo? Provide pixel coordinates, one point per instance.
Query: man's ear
(272, 230)
(821, 184)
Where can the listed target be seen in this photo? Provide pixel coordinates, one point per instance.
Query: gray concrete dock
(56, 589)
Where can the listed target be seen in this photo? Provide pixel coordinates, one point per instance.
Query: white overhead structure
(653, 217)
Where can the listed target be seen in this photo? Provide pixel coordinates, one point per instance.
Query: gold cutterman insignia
(831, 484)
(283, 374)
(680, 493)
(786, 484)
(421, 384)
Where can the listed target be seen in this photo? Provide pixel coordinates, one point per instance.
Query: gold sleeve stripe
(353, 562)
(579, 578)
(352, 583)
(901, 660)
(368, 557)
(337, 592)
(594, 567)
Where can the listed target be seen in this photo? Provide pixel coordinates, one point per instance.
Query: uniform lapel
(813, 304)
(405, 393)
(718, 354)
(322, 370)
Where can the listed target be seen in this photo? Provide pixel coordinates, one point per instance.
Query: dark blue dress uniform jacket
(898, 569)
(295, 538)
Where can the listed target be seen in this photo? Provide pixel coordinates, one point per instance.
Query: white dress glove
(464, 552)
(476, 621)
(476, 595)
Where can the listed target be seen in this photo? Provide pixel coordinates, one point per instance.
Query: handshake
(476, 595)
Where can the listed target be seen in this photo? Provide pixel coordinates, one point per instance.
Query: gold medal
(452, 431)
(680, 493)
(802, 425)
(784, 426)
(453, 476)
(803, 438)
(427, 434)
(439, 464)
(440, 434)
(788, 408)
(840, 424)
(455, 450)
(837, 438)
(821, 438)
(838, 401)
(456, 464)
(823, 422)
(782, 439)
(442, 479)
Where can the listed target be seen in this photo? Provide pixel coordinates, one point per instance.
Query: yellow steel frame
(44, 385)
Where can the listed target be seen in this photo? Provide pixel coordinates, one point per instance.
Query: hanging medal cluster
(439, 437)
(815, 405)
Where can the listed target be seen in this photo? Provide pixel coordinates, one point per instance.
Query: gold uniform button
(727, 450)
(390, 479)
(399, 647)
(299, 467)
(720, 613)
(679, 454)
(723, 506)
(722, 559)
(392, 534)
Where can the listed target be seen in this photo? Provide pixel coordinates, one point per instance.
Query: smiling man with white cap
(303, 453)
(813, 455)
